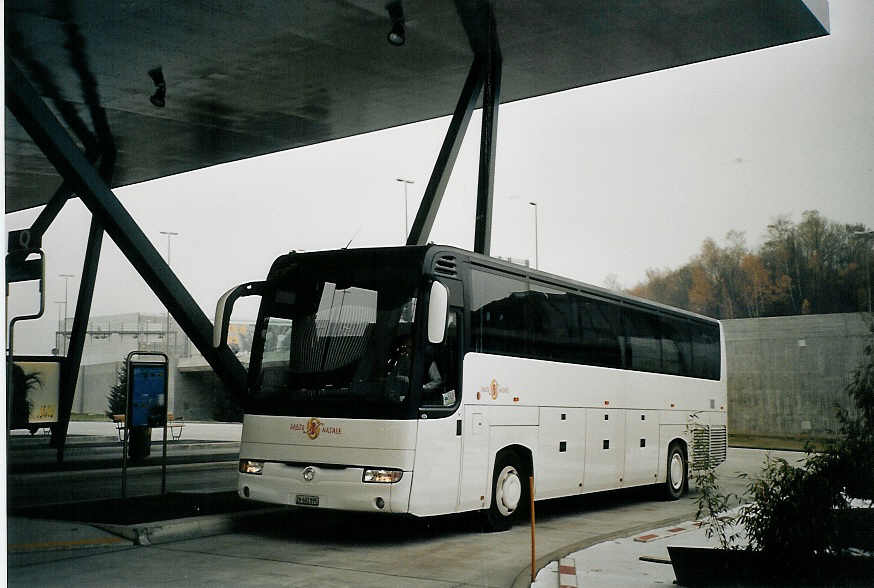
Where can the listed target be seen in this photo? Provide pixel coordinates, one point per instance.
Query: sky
(627, 175)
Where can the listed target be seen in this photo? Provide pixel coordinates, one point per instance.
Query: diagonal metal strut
(446, 158)
(478, 19)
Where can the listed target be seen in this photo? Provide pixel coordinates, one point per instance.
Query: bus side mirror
(437, 307)
(225, 306)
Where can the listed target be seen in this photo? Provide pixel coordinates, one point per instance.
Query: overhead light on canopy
(159, 97)
(397, 36)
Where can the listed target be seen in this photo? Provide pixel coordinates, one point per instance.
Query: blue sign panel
(148, 394)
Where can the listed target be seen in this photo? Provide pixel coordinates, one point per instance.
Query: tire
(677, 480)
(509, 492)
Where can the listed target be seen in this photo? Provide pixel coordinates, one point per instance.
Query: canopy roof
(249, 78)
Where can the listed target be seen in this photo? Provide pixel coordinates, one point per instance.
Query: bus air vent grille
(718, 444)
(709, 446)
(445, 266)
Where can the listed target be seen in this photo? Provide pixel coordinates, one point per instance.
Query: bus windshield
(335, 348)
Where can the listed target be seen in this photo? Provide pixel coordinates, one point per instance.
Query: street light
(66, 283)
(60, 329)
(867, 236)
(167, 327)
(536, 238)
(406, 214)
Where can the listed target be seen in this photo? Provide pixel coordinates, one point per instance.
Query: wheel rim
(508, 491)
(676, 470)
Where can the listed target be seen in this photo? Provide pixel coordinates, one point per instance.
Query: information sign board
(148, 394)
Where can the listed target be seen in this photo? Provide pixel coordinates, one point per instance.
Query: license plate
(306, 500)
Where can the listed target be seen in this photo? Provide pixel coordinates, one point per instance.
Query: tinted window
(510, 318)
(705, 351)
(551, 325)
(644, 345)
(498, 314)
(676, 346)
(598, 332)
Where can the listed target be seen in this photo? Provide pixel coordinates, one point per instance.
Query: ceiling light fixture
(160, 95)
(397, 36)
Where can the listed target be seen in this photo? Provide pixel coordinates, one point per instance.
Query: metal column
(51, 138)
(478, 19)
(70, 371)
(488, 140)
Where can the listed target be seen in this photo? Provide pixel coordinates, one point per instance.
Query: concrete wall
(787, 374)
(92, 388)
(96, 380)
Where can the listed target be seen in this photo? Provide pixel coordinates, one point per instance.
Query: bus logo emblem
(314, 427)
(493, 390)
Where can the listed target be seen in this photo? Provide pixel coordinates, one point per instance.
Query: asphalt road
(310, 548)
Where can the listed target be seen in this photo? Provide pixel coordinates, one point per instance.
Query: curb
(567, 573)
(188, 528)
(523, 578)
(215, 461)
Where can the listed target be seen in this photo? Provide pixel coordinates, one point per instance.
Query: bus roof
(427, 254)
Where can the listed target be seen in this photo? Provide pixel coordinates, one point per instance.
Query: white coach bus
(432, 380)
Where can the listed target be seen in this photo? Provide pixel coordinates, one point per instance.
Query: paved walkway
(617, 563)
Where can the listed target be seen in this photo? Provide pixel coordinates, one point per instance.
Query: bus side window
(441, 367)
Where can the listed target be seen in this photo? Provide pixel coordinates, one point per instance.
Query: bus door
(438, 445)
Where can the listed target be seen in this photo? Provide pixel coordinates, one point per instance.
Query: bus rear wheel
(509, 492)
(675, 483)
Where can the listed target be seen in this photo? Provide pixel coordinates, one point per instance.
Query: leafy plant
(794, 510)
(714, 506)
(852, 456)
(21, 384)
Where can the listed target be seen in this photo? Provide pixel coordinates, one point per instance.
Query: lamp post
(60, 329)
(167, 325)
(66, 284)
(406, 213)
(866, 235)
(536, 238)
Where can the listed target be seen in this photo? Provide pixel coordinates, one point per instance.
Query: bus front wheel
(676, 480)
(509, 492)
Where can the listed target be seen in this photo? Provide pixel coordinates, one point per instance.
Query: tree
(611, 282)
(815, 266)
(702, 293)
(117, 398)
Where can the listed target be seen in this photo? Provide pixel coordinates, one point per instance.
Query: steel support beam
(482, 240)
(421, 228)
(32, 237)
(70, 371)
(27, 107)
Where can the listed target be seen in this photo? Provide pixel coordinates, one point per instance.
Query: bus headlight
(383, 476)
(250, 466)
